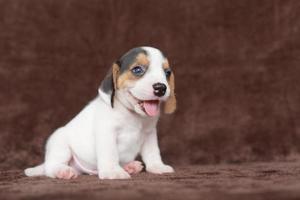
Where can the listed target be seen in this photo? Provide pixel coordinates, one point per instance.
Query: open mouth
(150, 107)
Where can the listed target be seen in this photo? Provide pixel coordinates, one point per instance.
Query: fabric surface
(236, 65)
(257, 181)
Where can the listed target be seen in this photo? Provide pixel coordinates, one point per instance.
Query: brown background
(236, 64)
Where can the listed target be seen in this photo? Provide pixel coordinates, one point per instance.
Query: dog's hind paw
(66, 173)
(133, 167)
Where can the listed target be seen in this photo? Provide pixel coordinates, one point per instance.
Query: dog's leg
(151, 155)
(133, 167)
(58, 155)
(107, 153)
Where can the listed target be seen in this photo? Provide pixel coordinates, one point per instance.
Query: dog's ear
(170, 105)
(109, 85)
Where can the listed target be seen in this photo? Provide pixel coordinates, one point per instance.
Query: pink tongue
(151, 107)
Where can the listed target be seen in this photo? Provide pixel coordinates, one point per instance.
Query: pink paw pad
(133, 167)
(66, 173)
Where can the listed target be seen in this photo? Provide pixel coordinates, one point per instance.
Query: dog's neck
(123, 105)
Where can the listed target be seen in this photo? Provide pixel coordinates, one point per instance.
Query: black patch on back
(128, 58)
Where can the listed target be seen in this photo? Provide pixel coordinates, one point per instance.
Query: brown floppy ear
(170, 105)
(109, 85)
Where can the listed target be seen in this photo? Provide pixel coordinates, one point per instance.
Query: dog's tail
(35, 171)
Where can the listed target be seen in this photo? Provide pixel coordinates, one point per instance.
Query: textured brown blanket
(259, 181)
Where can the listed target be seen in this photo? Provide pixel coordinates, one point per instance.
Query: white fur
(106, 138)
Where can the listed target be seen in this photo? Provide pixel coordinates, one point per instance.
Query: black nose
(159, 89)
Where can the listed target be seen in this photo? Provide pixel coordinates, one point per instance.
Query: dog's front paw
(159, 169)
(117, 173)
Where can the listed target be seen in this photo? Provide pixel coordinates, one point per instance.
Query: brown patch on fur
(115, 75)
(127, 76)
(170, 105)
(166, 64)
(115, 72)
(142, 59)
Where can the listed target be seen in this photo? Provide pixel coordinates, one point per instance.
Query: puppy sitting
(120, 123)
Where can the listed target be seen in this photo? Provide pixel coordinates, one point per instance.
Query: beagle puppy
(107, 135)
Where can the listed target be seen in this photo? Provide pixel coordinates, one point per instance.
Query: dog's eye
(138, 70)
(168, 72)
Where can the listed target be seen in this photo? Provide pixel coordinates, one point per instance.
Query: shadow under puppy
(120, 123)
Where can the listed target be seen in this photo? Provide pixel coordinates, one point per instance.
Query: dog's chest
(129, 140)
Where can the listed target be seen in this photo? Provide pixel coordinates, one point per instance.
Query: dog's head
(141, 80)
